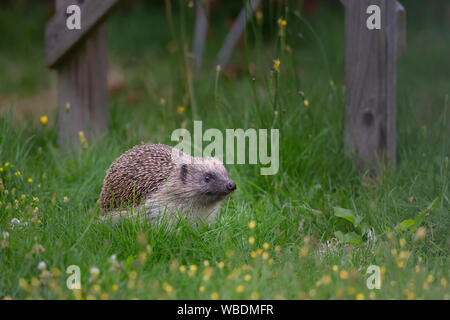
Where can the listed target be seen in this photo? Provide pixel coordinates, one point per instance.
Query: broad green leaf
(349, 237)
(352, 237)
(340, 236)
(348, 215)
(405, 224)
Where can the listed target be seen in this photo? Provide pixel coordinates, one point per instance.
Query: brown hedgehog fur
(127, 179)
(156, 175)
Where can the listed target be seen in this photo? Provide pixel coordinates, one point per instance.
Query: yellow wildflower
(276, 64)
(326, 279)
(30, 180)
(24, 284)
(214, 296)
(420, 234)
(409, 294)
(44, 120)
(208, 273)
(282, 22)
(132, 274)
(182, 268)
(343, 275)
(221, 264)
(306, 102)
(360, 296)
(303, 251)
(35, 282)
(180, 109)
(254, 295)
(265, 246)
(240, 288)
(251, 240)
(83, 140)
(252, 224)
(167, 287)
(404, 254)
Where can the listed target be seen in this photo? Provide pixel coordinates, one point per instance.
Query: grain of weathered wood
(370, 76)
(82, 84)
(81, 61)
(59, 39)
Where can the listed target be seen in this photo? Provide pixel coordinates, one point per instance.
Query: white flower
(113, 258)
(42, 265)
(15, 221)
(5, 234)
(94, 271)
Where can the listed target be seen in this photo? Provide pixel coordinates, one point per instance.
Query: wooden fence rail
(370, 73)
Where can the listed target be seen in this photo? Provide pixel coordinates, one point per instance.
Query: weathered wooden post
(79, 55)
(370, 77)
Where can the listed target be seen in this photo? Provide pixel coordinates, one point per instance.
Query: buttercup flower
(44, 120)
(276, 65)
(240, 288)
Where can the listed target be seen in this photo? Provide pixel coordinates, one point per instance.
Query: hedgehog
(163, 181)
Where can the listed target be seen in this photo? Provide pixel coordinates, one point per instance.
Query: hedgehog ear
(183, 173)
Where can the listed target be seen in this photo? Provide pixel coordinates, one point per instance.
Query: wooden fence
(79, 56)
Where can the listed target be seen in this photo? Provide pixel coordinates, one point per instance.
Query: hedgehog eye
(207, 178)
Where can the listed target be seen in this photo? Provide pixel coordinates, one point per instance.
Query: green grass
(295, 253)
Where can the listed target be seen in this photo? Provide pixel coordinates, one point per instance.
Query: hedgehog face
(209, 179)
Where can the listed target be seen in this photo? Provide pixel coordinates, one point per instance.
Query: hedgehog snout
(231, 186)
